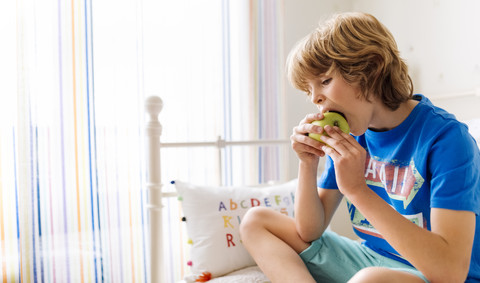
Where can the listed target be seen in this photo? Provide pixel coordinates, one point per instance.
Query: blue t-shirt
(428, 161)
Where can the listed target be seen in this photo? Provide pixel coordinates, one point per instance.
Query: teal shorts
(334, 258)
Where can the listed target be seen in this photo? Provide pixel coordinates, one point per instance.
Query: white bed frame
(153, 106)
(465, 105)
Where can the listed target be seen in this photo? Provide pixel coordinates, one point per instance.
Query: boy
(409, 172)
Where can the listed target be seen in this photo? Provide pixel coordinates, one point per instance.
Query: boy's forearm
(426, 250)
(309, 213)
(314, 208)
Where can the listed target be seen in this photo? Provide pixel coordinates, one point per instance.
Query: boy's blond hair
(361, 49)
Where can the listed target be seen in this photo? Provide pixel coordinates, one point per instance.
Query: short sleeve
(328, 180)
(454, 164)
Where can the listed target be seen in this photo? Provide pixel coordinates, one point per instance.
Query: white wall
(440, 40)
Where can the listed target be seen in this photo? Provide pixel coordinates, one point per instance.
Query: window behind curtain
(74, 78)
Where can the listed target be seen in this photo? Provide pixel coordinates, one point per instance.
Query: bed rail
(153, 130)
(464, 105)
(453, 95)
(153, 107)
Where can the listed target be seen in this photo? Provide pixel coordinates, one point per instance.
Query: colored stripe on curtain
(72, 190)
(254, 90)
(267, 82)
(74, 78)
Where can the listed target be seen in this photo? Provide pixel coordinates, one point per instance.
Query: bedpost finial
(154, 105)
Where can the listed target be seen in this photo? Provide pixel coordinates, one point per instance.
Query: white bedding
(251, 274)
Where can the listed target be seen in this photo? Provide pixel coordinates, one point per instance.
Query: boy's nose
(317, 99)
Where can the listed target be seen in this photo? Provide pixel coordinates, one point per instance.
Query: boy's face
(332, 93)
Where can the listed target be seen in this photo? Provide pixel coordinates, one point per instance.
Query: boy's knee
(252, 220)
(382, 274)
(368, 274)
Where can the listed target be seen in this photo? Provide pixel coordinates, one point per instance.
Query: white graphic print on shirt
(400, 180)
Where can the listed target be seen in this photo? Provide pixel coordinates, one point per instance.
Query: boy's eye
(327, 81)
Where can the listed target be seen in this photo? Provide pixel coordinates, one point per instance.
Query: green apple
(332, 119)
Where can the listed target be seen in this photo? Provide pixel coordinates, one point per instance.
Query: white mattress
(251, 274)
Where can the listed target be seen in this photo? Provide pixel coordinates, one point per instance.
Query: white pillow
(213, 216)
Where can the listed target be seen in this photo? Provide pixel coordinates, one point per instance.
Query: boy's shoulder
(433, 117)
(426, 125)
(434, 124)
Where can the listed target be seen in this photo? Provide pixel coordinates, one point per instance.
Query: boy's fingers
(312, 117)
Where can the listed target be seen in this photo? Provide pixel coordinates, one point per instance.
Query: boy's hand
(307, 149)
(349, 159)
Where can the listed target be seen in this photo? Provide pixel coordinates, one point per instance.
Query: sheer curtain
(74, 76)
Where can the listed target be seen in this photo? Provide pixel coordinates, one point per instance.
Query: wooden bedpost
(156, 265)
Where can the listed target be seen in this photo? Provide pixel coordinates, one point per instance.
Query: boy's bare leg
(272, 240)
(381, 274)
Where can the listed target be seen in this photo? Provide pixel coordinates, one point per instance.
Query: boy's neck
(386, 119)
